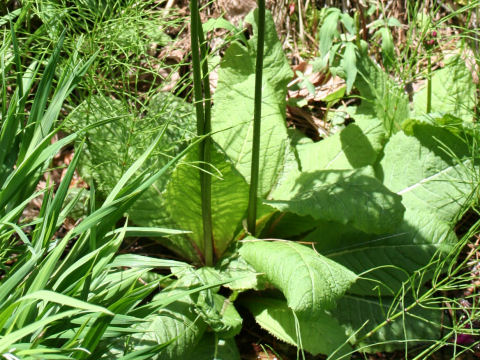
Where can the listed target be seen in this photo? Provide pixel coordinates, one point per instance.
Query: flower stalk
(257, 113)
(203, 112)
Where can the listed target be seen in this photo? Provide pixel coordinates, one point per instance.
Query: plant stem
(206, 148)
(202, 129)
(257, 113)
(429, 83)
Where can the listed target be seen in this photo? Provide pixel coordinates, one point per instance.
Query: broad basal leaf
(215, 310)
(431, 170)
(356, 146)
(229, 200)
(453, 91)
(214, 347)
(309, 281)
(387, 259)
(354, 196)
(112, 148)
(234, 102)
(319, 335)
(360, 315)
(233, 265)
(176, 324)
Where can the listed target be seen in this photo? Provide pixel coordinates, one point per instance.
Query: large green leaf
(234, 102)
(453, 91)
(388, 258)
(356, 146)
(319, 335)
(176, 324)
(360, 315)
(214, 347)
(111, 149)
(431, 170)
(346, 196)
(215, 310)
(229, 200)
(309, 281)
(233, 265)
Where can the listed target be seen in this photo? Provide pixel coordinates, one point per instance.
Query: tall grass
(64, 297)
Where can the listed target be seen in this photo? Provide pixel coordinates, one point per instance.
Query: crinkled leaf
(176, 324)
(354, 196)
(234, 102)
(229, 200)
(435, 184)
(230, 322)
(417, 326)
(215, 310)
(112, 148)
(389, 258)
(213, 347)
(319, 335)
(309, 281)
(355, 146)
(235, 266)
(430, 170)
(453, 91)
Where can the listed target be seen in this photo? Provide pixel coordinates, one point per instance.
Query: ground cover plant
(337, 247)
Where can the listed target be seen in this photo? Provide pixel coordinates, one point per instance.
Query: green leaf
(354, 196)
(142, 262)
(382, 97)
(388, 258)
(233, 265)
(453, 91)
(231, 321)
(213, 347)
(319, 335)
(388, 49)
(349, 64)
(176, 325)
(288, 226)
(360, 315)
(232, 122)
(229, 200)
(356, 146)
(112, 148)
(51, 296)
(431, 170)
(215, 310)
(309, 281)
(8, 340)
(328, 31)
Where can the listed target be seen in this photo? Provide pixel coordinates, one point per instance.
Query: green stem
(202, 126)
(206, 148)
(257, 113)
(429, 84)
